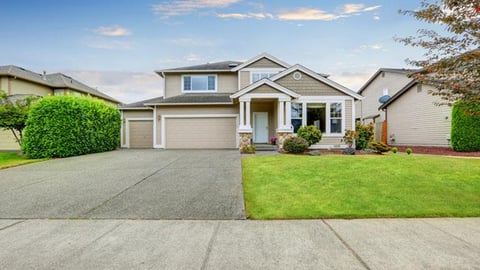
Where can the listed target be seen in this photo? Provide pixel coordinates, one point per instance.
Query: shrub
(364, 135)
(349, 151)
(349, 137)
(465, 134)
(379, 147)
(394, 150)
(249, 149)
(310, 133)
(408, 151)
(62, 126)
(295, 145)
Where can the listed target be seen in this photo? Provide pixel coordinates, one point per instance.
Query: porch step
(265, 147)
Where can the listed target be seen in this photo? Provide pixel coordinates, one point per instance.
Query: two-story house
(18, 82)
(229, 104)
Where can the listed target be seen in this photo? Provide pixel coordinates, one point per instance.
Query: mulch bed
(443, 151)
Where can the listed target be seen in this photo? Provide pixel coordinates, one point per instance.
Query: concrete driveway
(127, 184)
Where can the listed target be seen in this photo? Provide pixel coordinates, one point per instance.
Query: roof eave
(188, 103)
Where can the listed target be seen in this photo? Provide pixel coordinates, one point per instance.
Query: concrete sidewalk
(452, 243)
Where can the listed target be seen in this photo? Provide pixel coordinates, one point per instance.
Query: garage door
(201, 132)
(141, 133)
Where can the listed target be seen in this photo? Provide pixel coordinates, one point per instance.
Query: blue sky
(116, 44)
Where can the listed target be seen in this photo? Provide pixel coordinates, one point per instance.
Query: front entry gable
(265, 87)
(308, 83)
(263, 60)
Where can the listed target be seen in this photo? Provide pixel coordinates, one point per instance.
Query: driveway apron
(127, 184)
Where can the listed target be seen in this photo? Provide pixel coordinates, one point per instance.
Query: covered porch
(265, 112)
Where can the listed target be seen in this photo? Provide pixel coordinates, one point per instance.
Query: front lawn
(393, 185)
(11, 159)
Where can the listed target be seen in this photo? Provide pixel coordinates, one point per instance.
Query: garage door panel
(201, 133)
(141, 133)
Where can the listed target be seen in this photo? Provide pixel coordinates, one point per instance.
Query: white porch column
(248, 115)
(242, 114)
(288, 114)
(281, 112)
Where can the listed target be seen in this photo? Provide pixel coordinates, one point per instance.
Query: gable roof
(55, 81)
(258, 57)
(399, 94)
(379, 71)
(225, 66)
(318, 77)
(139, 104)
(261, 82)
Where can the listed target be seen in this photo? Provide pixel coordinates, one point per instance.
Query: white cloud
(352, 80)
(192, 58)
(127, 87)
(258, 16)
(182, 7)
(372, 46)
(372, 8)
(376, 17)
(358, 8)
(112, 31)
(308, 14)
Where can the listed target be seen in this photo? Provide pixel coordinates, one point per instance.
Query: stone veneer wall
(282, 136)
(245, 139)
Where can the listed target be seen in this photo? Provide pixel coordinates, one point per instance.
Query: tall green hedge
(63, 126)
(465, 134)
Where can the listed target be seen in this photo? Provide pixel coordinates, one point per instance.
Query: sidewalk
(297, 244)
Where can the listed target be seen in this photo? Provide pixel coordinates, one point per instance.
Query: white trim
(155, 120)
(353, 115)
(136, 108)
(323, 98)
(327, 102)
(239, 79)
(268, 82)
(164, 117)
(258, 57)
(318, 77)
(122, 137)
(198, 91)
(263, 69)
(279, 96)
(127, 128)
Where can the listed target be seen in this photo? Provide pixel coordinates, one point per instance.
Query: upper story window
(257, 76)
(199, 83)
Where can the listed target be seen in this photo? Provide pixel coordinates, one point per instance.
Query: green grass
(394, 185)
(11, 159)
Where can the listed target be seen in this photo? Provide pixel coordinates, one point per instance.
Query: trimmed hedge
(63, 126)
(465, 134)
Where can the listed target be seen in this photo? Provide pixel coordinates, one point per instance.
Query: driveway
(127, 184)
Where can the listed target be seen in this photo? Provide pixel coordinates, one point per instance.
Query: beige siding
(369, 105)
(264, 89)
(4, 84)
(244, 79)
(348, 114)
(335, 141)
(201, 133)
(141, 134)
(193, 110)
(7, 141)
(18, 86)
(308, 86)
(415, 120)
(226, 83)
(264, 63)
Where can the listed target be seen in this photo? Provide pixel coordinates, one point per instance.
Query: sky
(115, 45)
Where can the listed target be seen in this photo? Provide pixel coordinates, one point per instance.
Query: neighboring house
(414, 119)
(402, 110)
(18, 82)
(229, 104)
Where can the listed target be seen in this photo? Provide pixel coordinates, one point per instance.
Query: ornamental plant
(310, 133)
(364, 135)
(408, 151)
(295, 145)
(379, 147)
(394, 150)
(63, 126)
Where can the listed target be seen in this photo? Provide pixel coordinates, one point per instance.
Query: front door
(260, 127)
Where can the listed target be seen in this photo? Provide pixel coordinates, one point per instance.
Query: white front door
(260, 127)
